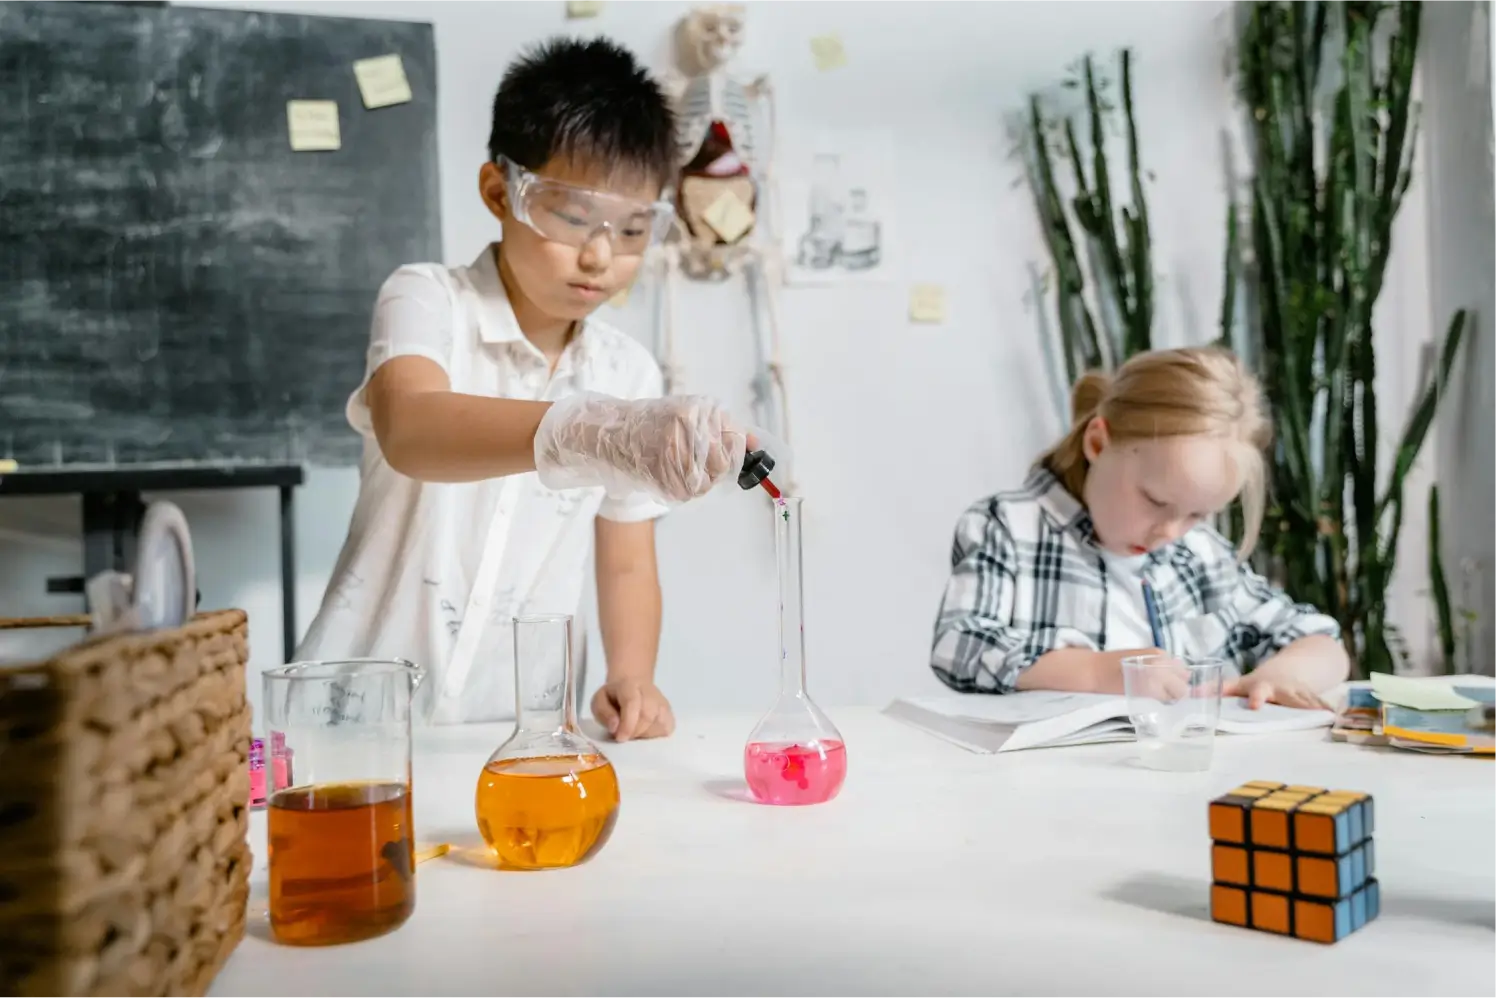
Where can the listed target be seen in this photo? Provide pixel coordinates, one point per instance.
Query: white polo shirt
(434, 572)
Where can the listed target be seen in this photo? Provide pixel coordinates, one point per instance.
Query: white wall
(897, 427)
(1462, 253)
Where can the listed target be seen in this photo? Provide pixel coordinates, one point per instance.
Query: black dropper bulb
(756, 467)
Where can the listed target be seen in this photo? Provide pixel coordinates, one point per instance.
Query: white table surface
(936, 872)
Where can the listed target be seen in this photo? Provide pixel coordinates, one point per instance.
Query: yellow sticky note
(729, 217)
(313, 125)
(828, 52)
(7, 466)
(1417, 694)
(382, 81)
(583, 8)
(927, 303)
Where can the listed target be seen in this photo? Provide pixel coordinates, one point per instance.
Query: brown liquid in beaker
(547, 812)
(342, 862)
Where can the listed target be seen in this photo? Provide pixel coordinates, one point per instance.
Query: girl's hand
(1261, 689)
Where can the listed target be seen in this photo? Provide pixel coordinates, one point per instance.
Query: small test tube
(257, 793)
(280, 762)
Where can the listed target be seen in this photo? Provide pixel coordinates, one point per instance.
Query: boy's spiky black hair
(589, 101)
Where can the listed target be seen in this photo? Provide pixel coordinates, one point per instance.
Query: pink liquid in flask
(789, 773)
(795, 755)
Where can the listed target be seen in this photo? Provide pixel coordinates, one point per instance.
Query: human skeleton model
(724, 183)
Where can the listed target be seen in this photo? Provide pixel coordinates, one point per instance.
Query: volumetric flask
(548, 797)
(342, 847)
(795, 755)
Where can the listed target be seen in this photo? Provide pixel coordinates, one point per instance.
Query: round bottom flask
(548, 797)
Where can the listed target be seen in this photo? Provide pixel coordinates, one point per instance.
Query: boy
(478, 375)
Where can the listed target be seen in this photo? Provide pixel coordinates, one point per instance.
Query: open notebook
(1043, 719)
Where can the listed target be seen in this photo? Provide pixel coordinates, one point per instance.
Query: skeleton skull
(710, 37)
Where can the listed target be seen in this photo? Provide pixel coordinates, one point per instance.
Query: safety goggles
(576, 215)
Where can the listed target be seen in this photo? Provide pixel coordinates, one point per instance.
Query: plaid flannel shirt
(1027, 578)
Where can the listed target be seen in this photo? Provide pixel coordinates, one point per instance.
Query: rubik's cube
(1293, 860)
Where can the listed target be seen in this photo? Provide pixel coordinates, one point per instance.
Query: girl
(1046, 581)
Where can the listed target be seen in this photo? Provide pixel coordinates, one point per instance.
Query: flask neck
(544, 700)
(787, 518)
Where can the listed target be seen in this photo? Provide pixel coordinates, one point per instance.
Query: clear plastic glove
(674, 448)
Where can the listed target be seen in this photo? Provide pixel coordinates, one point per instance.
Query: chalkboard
(176, 284)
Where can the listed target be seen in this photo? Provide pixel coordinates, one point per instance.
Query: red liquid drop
(784, 773)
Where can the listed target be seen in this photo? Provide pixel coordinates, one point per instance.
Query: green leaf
(1439, 583)
(1423, 415)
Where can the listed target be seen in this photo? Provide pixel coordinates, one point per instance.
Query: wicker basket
(124, 789)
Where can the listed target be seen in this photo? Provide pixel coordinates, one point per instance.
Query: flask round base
(795, 773)
(549, 812)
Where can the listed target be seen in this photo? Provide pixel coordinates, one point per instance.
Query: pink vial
(280, 762)
(256, 773)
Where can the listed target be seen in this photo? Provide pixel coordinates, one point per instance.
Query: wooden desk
(936, 872)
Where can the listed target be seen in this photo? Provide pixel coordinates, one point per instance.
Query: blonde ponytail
(1090, 388)
(1066, 460)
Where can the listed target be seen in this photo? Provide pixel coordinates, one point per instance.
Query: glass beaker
(795, 754)
(341, 842)
(1174, 705)
(547, 798)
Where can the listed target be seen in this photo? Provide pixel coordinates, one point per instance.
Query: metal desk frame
(113, 506)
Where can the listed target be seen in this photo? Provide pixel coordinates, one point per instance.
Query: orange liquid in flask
(342, 862)
(547, 812)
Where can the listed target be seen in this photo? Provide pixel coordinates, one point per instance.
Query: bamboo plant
(1086, 232)
(1328, 86)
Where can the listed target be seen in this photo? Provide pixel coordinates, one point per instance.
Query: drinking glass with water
(1174, 704)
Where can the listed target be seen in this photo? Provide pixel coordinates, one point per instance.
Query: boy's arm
(628, 597)
(415, 413)
(629, 704)
(628, 602)
(425, 430)
(428, 432)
